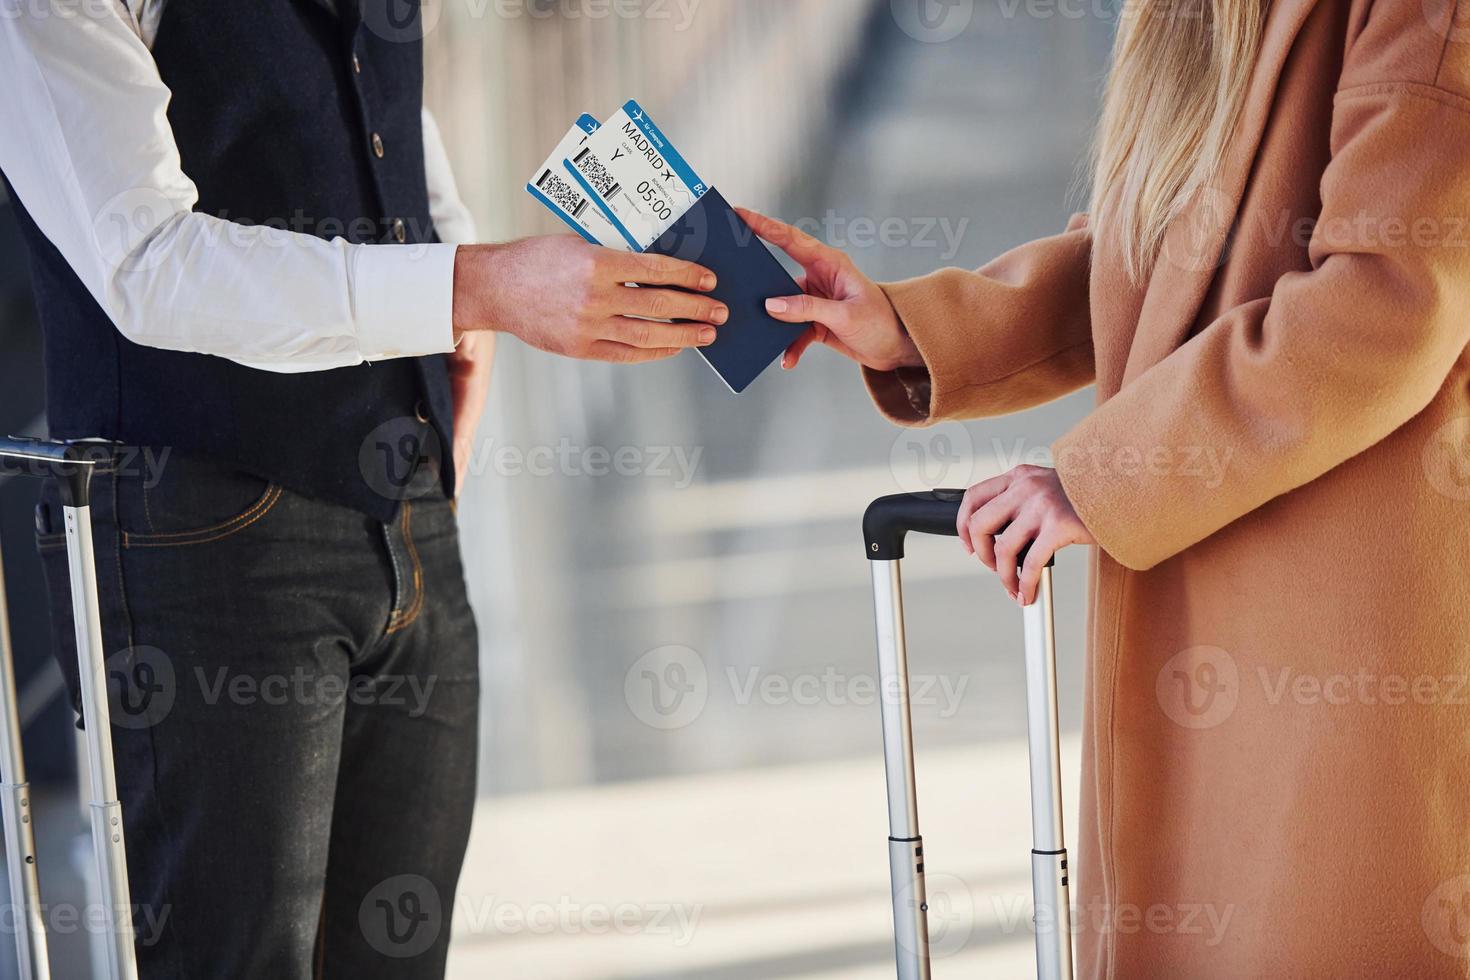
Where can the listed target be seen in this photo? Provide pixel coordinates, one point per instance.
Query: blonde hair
(1176, 92)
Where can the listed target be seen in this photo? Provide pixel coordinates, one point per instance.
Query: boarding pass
(634, 174)
(561, 193)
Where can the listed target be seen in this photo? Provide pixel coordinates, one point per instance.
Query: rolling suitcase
(887, 522)
(71, 467)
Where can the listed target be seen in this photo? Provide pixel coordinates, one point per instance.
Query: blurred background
(681, 772)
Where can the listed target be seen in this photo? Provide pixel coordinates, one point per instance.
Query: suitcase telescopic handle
(890, 520)
(68, 463)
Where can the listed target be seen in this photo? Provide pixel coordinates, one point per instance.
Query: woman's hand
(848, 311)
(1025, 507)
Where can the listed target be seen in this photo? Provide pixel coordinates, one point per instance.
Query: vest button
(378, 146)
(421, 412)
(400, 231)
(356, 63)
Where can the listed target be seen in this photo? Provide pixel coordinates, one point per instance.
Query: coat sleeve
(1338, 357)
(1013, 335)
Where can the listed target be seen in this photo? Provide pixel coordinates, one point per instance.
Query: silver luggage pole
(887, 522)
(905, 845)
(885, 526)
(72, 470)
(1050, 894)
(107, 826)
(20, 838)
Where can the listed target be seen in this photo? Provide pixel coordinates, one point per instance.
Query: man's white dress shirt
(86, 144)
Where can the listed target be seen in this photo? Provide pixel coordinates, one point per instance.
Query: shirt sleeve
(89, 151)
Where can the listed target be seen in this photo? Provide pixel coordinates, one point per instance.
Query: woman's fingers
(982, 531)
(808, 309)
(818, 334)
(975, 498)
(1025, 510)
(990, 519)
(1008, 547)
(1049, 540)
(798, 347)
(805, 249)
(792, 357)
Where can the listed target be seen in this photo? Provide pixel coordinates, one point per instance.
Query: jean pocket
(192, 502)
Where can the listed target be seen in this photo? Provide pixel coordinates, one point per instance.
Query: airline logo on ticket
(634, 174)
(555, 188)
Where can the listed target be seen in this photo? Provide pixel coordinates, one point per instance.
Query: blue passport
(711, 234)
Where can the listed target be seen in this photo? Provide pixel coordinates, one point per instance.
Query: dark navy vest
(305, 114)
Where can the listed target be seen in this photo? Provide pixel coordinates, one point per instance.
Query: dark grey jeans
(295, 695)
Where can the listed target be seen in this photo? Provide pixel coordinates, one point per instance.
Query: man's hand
(1025, 507)
(562, 295)
(469, 381)
(848, 311)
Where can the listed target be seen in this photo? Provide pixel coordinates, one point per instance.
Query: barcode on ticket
(562, 194)
(597, 176)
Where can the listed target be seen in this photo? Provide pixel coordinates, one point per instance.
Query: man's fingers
(653, 335)
(796, 243)
(648, 269)
(668, 304)
(808, 309)
(618, 353)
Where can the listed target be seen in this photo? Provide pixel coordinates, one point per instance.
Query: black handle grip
(890, 519)
(68, 463)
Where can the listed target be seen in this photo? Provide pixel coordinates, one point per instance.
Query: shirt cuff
(403, 296)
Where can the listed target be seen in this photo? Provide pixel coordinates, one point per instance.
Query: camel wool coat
(1276, 741)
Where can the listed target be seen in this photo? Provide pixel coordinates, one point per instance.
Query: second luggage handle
(886, 524)
(70, 466)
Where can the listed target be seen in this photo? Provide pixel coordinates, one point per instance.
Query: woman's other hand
(1026, 507)
(847, 310)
